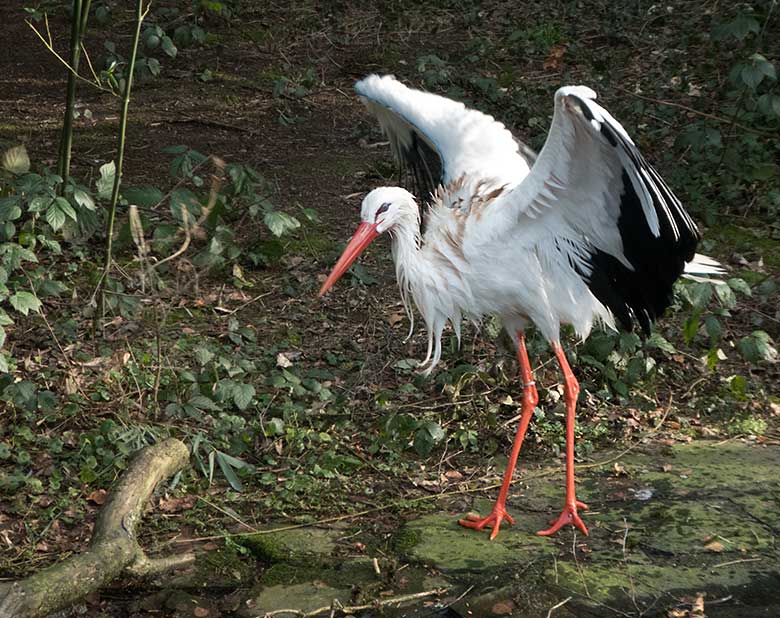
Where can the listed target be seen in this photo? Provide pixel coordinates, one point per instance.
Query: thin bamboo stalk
(78, 28)
(141, 13)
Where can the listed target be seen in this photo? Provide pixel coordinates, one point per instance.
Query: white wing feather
(467, 141)
(576, 185)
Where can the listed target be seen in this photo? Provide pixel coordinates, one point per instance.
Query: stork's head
(383, 210)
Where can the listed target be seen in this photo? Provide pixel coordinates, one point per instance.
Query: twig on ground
(351, 609)
(557, 606)
(228, 513)
(730, 562)
(246, 304)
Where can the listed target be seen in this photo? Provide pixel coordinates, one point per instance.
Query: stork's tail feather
(701, 266)
(704, 265)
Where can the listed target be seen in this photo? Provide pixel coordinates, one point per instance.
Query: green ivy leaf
(311, 215)
(691, 327)
(145, 196)
(714, 328)
(280, 223)
(657, 341)
(753, 73)
(274, 427)
(243, 395)
(738, 385)
(169, 47)
(739, 28)
(55, 217)
(699, 294)
(185, 199)
(66, 208)
(105, 184)
(83, 199)
(726, 296)
(9, 208)
(426, 437)
(435, 430)
(763, 65)
(203, 403)
(23, 302)
(769, 104)
(40, 203)
(154, 66)
(739, 285)
(5, 319)
(203, 355)
(757, 346)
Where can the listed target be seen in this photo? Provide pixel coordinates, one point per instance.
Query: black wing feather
(641, 294)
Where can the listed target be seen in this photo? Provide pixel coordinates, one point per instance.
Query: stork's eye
(382, 208)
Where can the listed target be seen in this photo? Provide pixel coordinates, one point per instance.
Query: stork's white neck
(406, 256)
(420, 280)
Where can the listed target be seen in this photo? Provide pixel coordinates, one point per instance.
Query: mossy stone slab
(688, 527)
(305, 597)
(219, 568)
(735, 467)
(641, 587)
(303, 546)
(437, 540)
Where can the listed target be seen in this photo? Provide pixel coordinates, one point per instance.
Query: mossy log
(114, 548)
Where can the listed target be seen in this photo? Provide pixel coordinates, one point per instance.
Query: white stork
(587, 231)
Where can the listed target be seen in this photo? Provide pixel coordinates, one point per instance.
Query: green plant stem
(120, 152)
(78, 28)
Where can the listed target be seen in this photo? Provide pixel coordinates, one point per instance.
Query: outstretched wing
(438, 140)
(604, 210)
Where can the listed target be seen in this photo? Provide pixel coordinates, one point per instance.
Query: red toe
(491, 521)
(568, 516)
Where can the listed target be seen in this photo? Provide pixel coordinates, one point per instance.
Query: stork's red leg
(570, 391)
(530, 399)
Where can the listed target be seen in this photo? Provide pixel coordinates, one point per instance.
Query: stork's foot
(568, 516)
(493, 520)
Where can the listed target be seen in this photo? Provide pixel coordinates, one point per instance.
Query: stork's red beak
(362, 238)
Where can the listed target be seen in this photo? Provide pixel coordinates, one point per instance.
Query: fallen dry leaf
(553, 61)
(175, 505)
(620, 469)
(713, 545)
(698, 605)
(395, 318)
(503, 608)
(282, 361)
(98, 497)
